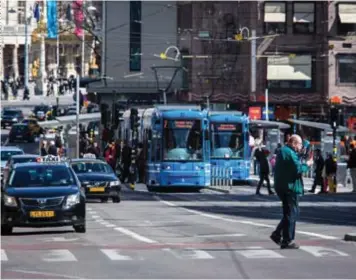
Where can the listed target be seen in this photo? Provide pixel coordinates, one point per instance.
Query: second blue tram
(230, 143)
(175, 142)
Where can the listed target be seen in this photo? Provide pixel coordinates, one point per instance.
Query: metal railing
(221, 178)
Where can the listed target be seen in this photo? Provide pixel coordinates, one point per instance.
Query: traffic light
(334, 117)
(118, 112)
(105, 114)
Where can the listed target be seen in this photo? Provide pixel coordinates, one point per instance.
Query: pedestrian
(52, 149)
(330, 173)
(351, 164)
(43, 149)
(126, 161)
(261, 158)
(318, 172)
(289, 187)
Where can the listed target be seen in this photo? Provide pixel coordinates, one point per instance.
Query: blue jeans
(286, 227)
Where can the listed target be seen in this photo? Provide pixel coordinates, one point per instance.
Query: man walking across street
(351, 164)
(289, 186)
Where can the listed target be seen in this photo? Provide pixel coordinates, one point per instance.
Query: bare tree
(217, 73)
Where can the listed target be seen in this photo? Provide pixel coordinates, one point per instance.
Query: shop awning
(269, 124)
(318, 125)
(347, 13)
(303, 12)
(286, 68)
(275, 12)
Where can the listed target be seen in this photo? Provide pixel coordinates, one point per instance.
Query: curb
(217, 190)
(350, 237)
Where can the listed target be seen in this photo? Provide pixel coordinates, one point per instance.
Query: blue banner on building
(270, 113)
(52, 24)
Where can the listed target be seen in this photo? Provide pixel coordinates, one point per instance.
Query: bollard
(231, 180)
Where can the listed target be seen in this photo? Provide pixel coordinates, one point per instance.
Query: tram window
(183, 140)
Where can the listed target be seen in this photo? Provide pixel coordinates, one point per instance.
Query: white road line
(110, 225)
(92, 212)
(59, 255)
(89, 208)
(190, 254)
(318, 251)
(259, 253)
(221, 235)
(115, 255)
(43, 273)
(322, 236)
(95, 217)
(104, 223)
(135, 235)
(3, 256)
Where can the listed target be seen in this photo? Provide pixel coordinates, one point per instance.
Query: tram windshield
(182, 140)
(227, 140)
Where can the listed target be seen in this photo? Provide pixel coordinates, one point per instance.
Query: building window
(346, 69)
(135, 35)
(21, 5)
(303, 18)
(284, 72)
(346, 19)
(275, 17)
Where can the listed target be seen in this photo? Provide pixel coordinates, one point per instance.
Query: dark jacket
(351, 163)
(319, 165)
(288, 171)
(260, 155)
(330, 166)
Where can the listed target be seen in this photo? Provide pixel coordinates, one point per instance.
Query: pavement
(207, 234)
(36, 100)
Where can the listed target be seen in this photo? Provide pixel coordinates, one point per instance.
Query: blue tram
(230, 143)
(176, 146)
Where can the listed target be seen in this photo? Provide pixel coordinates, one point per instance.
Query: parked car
(11, 116)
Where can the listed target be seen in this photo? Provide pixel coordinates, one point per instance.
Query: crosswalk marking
(59, 256)
(115, 255)
(189, 254)
(319, 251)
(3, 256)
(259, 253)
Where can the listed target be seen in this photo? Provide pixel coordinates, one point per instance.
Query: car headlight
(72, 200)
(10, 201)
(14, 119)
(114, 183)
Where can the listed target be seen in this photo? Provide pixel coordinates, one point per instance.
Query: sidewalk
(308, 182)
(36, 100)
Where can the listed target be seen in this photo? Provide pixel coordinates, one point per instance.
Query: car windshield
(227, 140)
(5, 155)
(182, 140)
(41, 108)
(20, 128)
(41, 176)
(10, 113)
(88, 167)
(24, 159)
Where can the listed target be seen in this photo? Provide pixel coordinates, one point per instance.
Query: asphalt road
(188, 235)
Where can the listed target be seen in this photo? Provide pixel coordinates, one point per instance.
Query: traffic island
(350, 237)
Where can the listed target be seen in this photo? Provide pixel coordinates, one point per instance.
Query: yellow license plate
(42, 214)
(97, 189)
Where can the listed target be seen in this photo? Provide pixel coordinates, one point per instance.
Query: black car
(42, 195)
(11, 116)
(98, 179)
(15, 159)
(21, 132)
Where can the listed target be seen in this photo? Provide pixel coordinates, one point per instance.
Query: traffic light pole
(133, 168)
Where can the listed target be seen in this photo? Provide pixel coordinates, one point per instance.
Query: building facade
(69, 46)
(135, 34)
(300, 53)
(302, 48)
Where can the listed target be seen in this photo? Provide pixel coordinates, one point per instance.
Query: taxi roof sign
(89, 155)
(51, 158)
